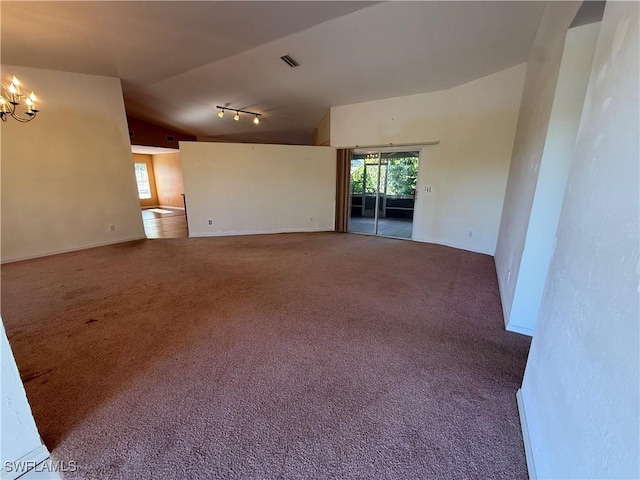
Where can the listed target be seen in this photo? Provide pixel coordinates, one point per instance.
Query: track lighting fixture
(236, 117)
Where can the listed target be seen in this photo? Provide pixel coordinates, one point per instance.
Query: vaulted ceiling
(178, 60)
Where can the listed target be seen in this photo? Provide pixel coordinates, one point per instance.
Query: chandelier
(10, 100)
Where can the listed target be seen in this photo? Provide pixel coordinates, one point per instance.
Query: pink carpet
(262, 357)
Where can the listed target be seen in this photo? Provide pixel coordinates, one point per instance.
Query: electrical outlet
(311, 219)
(210, 222)
(508, 275)
(471, 233)
(427, 189)
(112, 228)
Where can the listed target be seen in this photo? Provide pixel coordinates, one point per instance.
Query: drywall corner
(581, 386)
(528, 451)
(20, 445)
(531, 132)
(553, 173)
(322, 133)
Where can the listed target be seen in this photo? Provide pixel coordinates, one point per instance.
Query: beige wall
(67, 176)
(249, 189)
(322, 134)
(581, 390)
(553, 172)
(169, 184)
(533, 124)
(475, 124)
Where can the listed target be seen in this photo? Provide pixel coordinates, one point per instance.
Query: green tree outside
(401, 180)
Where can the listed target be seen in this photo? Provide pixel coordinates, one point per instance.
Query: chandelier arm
(24, 120)
(11, 112)
(11, 98)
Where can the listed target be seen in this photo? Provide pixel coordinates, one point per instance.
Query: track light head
(236, 117)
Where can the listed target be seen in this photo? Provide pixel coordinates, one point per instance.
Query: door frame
(380, 151)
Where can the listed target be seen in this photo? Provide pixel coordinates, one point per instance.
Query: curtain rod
(417, 144)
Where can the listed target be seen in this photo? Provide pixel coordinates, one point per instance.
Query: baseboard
(170, 206)
(258, 232)
(519, 329)
(528, 451)
(454, 245)
(164, 206)
(503, 301)
(23, 464)
(75, 249)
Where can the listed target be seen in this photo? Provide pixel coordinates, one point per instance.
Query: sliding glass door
(383, 191)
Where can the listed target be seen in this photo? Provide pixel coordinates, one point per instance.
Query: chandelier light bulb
(236, 117)
(256, 120)
(11, 98)
(221, 113)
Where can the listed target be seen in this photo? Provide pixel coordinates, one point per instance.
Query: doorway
(158, 175)
(383, 192)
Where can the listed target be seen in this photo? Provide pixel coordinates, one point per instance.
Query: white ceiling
(152, 150)
(178, 60)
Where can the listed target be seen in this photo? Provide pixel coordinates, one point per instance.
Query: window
(142, 178)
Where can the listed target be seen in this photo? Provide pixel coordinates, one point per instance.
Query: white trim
(35, 456)
(403, 148)
(169, 206)
(454, 245)
(257, 232)
(74, 249)
(518, 329)
(392, 146)
(146, 150)
(528, 450)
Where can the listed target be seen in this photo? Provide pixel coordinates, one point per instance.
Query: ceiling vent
(289, 61)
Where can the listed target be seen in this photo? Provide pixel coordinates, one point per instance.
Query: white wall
(67, 175)
(537, 100)
(475, 124)
(249, 189)
(568, 99)
(580, 393)
(19, 439)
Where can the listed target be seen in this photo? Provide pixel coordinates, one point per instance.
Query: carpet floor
(275, 356)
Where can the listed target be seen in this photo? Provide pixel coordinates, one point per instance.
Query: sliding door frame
(380, 151)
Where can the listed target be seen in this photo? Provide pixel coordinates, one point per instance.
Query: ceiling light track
(238, 111)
